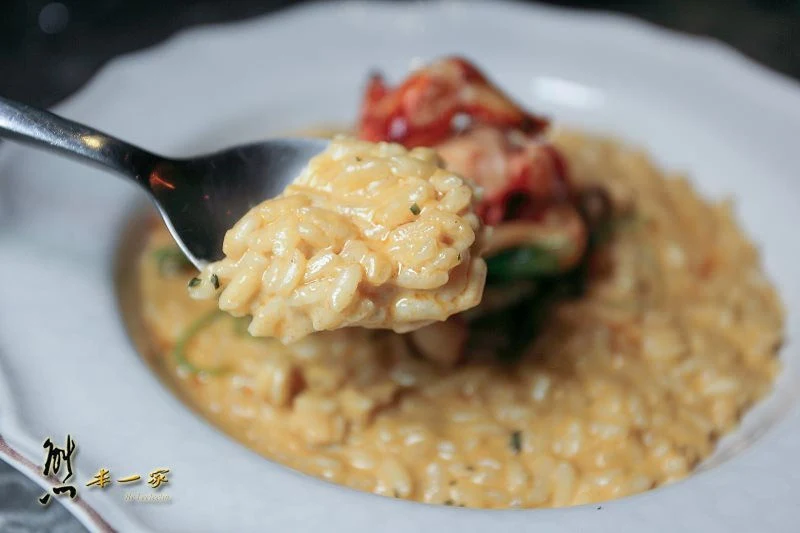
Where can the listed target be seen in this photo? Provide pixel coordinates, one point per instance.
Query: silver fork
(199, 198)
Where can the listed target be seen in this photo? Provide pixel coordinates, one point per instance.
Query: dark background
(50, 49)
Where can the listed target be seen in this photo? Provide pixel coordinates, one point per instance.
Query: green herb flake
(358, 159)
(449, 502)
(396, 493)
(194, 282)
(181, 345)
(516, 441)
(170, 261)
(415, 210)
(522, 263)
(215, 281)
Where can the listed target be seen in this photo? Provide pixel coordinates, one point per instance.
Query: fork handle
(43, 129)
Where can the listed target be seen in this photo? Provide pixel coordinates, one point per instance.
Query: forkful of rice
(370, 235)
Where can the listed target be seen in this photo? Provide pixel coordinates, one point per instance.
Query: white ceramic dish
(67, 366)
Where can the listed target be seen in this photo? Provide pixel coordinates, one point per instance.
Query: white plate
(68, 366)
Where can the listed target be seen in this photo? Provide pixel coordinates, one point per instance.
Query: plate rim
(705, 50)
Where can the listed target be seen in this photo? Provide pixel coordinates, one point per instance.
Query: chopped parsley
(194, 282)
(170, 261)
(179, 350)
(516, 441)
(415, 210)
(215, 281)
(529, 262)
(449, 502)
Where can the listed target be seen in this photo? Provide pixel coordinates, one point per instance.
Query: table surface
(38, 42)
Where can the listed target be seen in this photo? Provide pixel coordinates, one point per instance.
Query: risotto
(369, 235)
(624, 390)
(626, 324)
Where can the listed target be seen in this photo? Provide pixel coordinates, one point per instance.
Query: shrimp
(478, 131)
(424, 109)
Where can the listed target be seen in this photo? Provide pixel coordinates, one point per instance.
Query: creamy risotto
(369, 235)
(625, 327)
